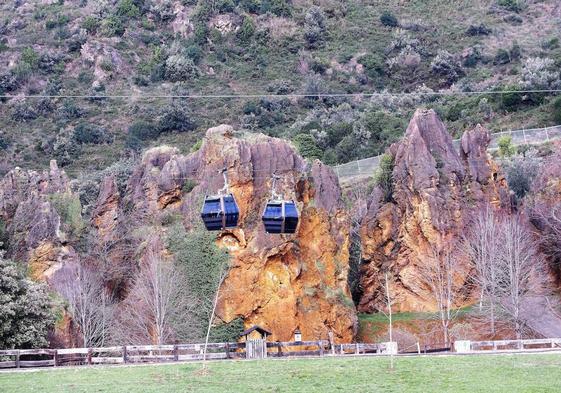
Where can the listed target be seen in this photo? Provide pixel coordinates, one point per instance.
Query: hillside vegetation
(139, 48)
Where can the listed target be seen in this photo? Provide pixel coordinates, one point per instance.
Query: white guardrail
(368, 166)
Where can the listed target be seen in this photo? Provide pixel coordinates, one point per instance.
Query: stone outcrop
(435, 191)
(281, 282)
(32, 222)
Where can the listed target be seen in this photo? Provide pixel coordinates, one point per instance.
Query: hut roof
(255, 327)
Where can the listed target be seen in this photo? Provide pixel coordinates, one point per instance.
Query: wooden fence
(515, 345)
(21, 358)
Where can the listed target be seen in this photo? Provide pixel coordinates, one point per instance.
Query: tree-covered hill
(147, 50)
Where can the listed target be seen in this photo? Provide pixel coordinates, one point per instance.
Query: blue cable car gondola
(220, 211)
(280, 216)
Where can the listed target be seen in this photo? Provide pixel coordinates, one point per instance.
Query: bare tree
(113, 259)
(89, 302)
(357, 201)
(481, 245)
(159, 305)
(521, 274)
(547, 220)
(439, 270)
(388, 312)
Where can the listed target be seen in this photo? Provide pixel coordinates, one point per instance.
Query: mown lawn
(485, 373)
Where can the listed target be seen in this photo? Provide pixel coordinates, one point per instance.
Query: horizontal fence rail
(510, 345)
(131, 354)
(368, 166)
(175, 353)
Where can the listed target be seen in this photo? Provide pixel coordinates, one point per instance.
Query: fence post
(124, 353)
(320, 344)
(55, 357)
(175, 353)
(357, 350)
(17, 359)
(546, 135)
(418, 348)
(227, 350)
(90, 356)
(331, 342)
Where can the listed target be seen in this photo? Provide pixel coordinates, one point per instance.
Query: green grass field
(485, 373)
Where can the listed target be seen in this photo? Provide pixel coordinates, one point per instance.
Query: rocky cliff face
(281, 282)
(435, 191)
(33, 224)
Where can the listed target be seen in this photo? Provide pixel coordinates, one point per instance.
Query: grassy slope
(357, 32)
(487, 373)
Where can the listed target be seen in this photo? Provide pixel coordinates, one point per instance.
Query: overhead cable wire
(290, 95)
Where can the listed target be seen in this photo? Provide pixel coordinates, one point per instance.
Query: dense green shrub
(511, 100)
(515, 51)
(194, 52)
(64, 148)
(388, 19)
(30, 57)
(227, 332)
(127, 8)
(175, 118)
(471, 57)
(315, 31)
(25, 309)
(540, 74)
(506, 147)
(513, 5)
(69, 110)
(89, 133)
(203, 264)
(60, 21)
(91, 24)
(113, 26)
(24, 112)
(180, 68)
(383, 177)
(481, 29)
(550, 44)
(188, 186)
(201, 33)
(502, 57)
(446, 65)
(246, 30)
(143, 130)
(276, 7)
(520, 173)
(307, 146)
(374, 65)
(69, 208)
